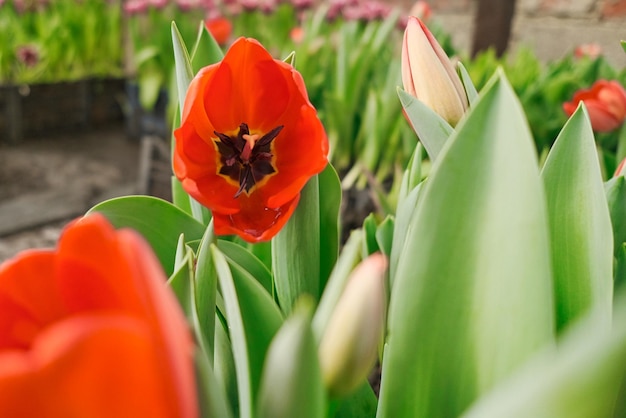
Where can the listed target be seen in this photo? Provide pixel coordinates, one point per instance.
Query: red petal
(29, 298)
(254, 223)
(88, 366)
(249, 87)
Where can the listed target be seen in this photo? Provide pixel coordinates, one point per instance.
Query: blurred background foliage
(348, 52)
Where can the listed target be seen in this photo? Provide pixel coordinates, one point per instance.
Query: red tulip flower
(220, 28)
(248, 142)
(605, 102)
(90, 329)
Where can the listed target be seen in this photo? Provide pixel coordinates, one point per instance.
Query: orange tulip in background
(605, 102)
(220, 28)
(249, 141)
(91, 330)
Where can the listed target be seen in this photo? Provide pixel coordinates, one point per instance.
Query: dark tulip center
(246, 158)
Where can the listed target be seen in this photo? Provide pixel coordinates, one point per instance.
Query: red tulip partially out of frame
(605, 102)
(249, 141)
(90, 329)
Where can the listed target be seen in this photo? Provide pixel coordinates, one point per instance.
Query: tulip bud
(428, 74)
(349, 345)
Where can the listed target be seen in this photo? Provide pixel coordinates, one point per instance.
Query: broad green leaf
(580, 224)
(584, 378)
(431, 129)
(237, 334)
(224, 365)
(211, 396)
(180, 281)
(205, 291)
(620, 267)
(296, 250)
(412, 174)
(184, 70)
(348, 259)
(292, 385)
(261, 319)
(160, 223)
(370, 244)
(623, 44)
(253, 319)
(472, 296)
(206, 51)
(330, 204)
(248, 262)
(615, 190)
(404, 214)
(384, 235)
(470, 90)
(360, 404)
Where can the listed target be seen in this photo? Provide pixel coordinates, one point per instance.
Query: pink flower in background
(605, 102)
(27, 55)
(591, 50)
(302, 4)
(133, 7)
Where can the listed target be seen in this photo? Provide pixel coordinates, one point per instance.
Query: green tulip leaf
(615, 190)
(206, 50)
(585, 377)
(211, 396)
(292, 385)
(620, 267)
(472, 296)
(296, 250)
(580, 224)
(184, 69)
(180, 281)
(205, 293)
(160, 223)
(359, 404)
(249, 262)
(370, 244)
(384, 235)
(404, 215)
(431, 129)
(470, 89)
(224, 365)
(253, 319)
(330, 205)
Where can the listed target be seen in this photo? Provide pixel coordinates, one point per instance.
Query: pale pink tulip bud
(428, 74)
(349, 345)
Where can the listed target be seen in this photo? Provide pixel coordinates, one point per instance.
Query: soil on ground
(45, 183)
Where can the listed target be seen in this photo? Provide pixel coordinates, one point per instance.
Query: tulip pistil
(246, 158)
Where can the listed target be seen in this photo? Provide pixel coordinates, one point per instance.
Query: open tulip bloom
(496, 288)
(605, 102)
(249, 141)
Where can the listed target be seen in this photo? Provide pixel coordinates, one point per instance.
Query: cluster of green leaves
(72, 39)
(505, 276)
